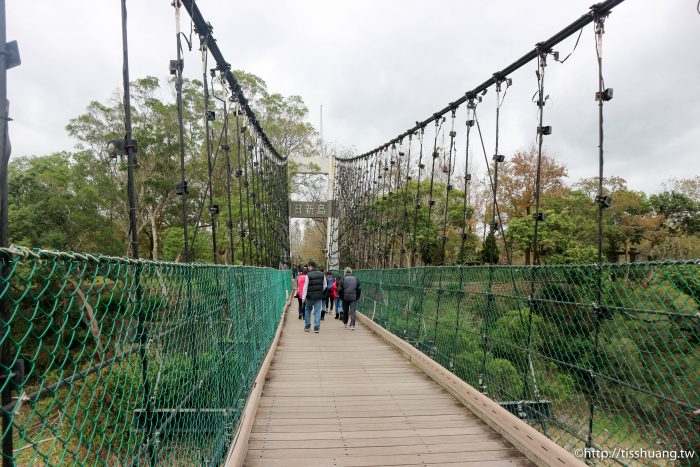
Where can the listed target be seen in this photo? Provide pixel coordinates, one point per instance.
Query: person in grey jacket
(349, 291)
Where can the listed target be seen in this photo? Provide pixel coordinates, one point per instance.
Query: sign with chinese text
(310, 209)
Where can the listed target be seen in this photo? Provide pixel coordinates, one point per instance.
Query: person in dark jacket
(349, 291)
(312, 294)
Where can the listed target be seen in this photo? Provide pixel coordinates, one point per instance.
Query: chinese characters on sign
(310, 209)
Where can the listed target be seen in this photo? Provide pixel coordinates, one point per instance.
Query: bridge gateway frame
(328, 209)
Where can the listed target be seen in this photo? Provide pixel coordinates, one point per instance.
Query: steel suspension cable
(491, 182)
(367, 209)
(603, 202)
(497, 158)
(396, 226)
(239, 175)
(448, 187)
(421, 166)
(364, 202)
(431, 201)
(227, 151)
(538, 217)
(130, 146)
(213, 210)
(405, 200)
(246, 184)
(376, 209)
(262, 199)
(182, 189)
(205, 194)
(471, 105)
(389, 201)
(252, 147)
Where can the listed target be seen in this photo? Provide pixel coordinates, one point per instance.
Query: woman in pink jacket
(300, 286)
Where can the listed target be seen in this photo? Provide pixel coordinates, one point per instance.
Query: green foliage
(534, 333)
(682, 213)
(424, 226)
(74, 320)
(53, 203)
(174, 242)
(513, 333)
(506, 382)
(77, 201)
(489, 251)
(687, 281)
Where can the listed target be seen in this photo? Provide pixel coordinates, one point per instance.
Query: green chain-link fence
(115, 361)
(593, 358)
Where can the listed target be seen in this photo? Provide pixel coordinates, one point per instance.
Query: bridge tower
(319, 209)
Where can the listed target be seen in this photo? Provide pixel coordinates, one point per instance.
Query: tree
(682, 214)
(53, 204)
(385, 220)
(516, 181)
(630, 220)
(156, 130)
(610, 185)
(283, 118)
(557, 242)
(517, 185)
(489, 251)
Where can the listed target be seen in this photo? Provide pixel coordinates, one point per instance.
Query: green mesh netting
(593, 359)
(115, 361)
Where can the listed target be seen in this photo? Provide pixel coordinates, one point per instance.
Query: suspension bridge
(457, 360)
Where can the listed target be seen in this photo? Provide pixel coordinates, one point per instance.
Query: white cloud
(377, 67)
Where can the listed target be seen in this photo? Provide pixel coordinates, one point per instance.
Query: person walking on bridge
(312, 294)
(335, 298)
(301, 280)
(349, 291)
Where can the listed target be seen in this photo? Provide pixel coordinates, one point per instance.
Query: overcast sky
(378, 66)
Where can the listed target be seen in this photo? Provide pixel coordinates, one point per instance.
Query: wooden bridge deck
(347, 398)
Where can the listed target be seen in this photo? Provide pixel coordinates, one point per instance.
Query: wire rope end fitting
(544, 130)
(605, 95)
(181, 188)
(604, 201)
(176, 66)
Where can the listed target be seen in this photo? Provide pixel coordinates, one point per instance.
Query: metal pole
(7, 446)
(599, 30)
(129, 145)
(178, 87)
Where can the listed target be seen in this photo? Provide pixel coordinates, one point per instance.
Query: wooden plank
(493, 445)
(347, 398)
(351, 404)
(370, 433)
(296, 400)
(373, 442)
(533, 444)
(387, 460)
(239, 446)
(311, 413)
(523, 462)
(345, 427)
(370, 419)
